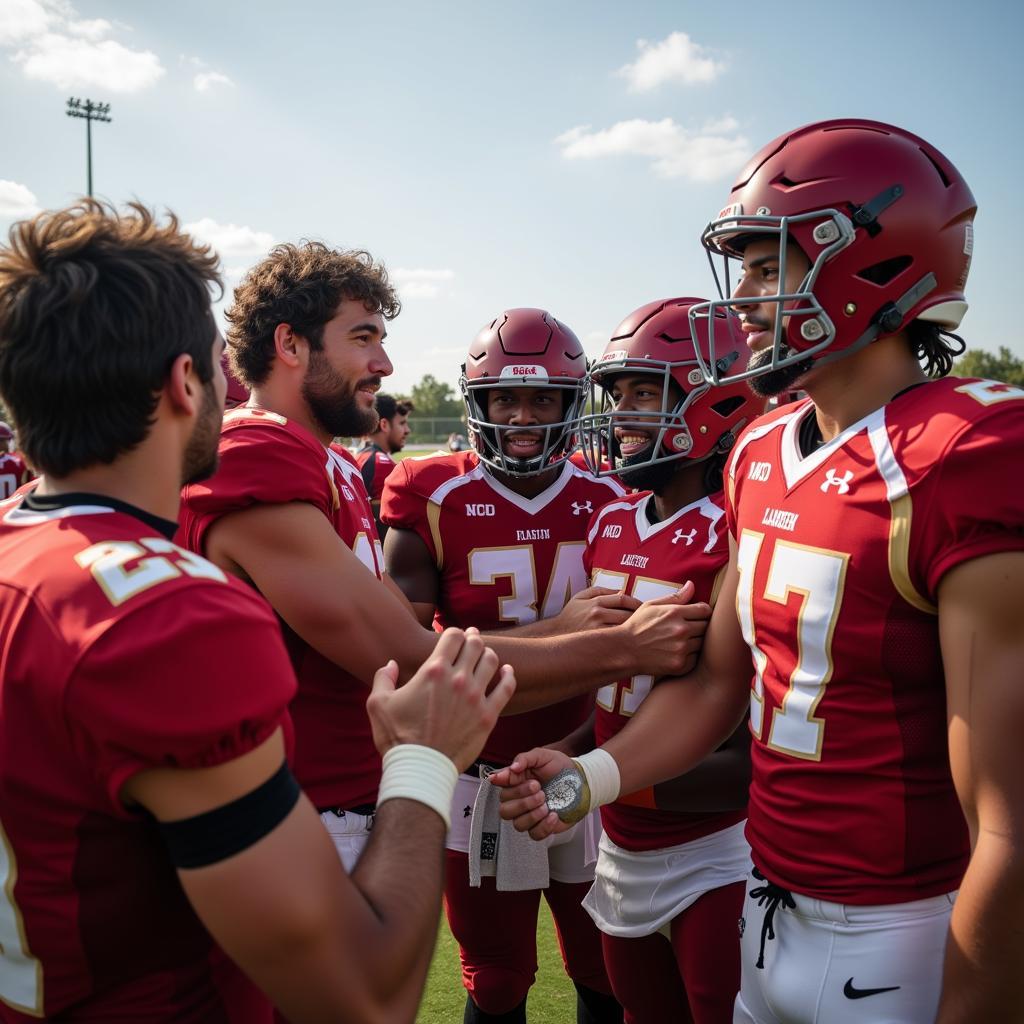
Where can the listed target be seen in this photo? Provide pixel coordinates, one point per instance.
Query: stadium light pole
(90, 112)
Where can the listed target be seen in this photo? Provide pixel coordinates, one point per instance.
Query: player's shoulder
(618, 511)
(962, 402)
(765, 430)
(425, 474)
(581, 480)
(101, 566)
(253, 428)
(956, 419)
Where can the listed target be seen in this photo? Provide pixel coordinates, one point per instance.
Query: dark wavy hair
(302, 286)
(934, 348)
(95, 306)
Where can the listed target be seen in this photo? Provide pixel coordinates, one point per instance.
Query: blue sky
(561, 154)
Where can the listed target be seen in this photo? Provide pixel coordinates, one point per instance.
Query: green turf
(552, 998)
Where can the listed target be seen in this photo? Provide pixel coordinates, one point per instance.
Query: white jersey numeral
(106, 561)
(630, 695)
(818, 576)
(486, 565)
(989, 392)
(21, 974)
(8, 484)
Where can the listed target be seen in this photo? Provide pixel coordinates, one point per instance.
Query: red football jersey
(121, 652)
(13, 473)
(503, 560)
(375, 465)
(626, 551)
(269, 460)
(840, 554)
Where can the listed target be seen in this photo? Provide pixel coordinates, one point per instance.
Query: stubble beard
(201, 456)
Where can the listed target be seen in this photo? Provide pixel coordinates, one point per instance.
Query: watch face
(564, 791)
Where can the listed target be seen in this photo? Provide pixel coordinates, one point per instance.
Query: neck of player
(528, 486)
(848, 389)
(684, 487)
(148, 477)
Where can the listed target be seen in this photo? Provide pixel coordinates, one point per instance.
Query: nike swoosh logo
(860, 993)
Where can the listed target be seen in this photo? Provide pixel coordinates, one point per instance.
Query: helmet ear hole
(727, 406)
(884, 272)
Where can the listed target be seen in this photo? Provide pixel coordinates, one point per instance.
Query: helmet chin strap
(886, 321)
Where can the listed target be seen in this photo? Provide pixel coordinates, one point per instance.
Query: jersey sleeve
(367, 469)
(259, 465)
(728, 496)
(402, 505)
(976, 505)
(189, 681)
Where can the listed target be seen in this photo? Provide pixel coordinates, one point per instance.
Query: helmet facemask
(800, 314)
(667, 428)
(488, 438)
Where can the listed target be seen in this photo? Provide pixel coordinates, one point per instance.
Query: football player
(494, 537)
(879, 584)
(672, 866)
(288, 512)
(374, 456)
(145, 794)
(13, 470)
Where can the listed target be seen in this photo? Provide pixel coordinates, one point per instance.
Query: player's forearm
(399, 880)
(552, 669)
(981, 979)
(400, 875)
(721, 782)
(702, 716)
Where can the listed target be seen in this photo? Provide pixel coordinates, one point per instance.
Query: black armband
(221, 833)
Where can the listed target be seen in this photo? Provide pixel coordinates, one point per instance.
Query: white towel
(496, 850)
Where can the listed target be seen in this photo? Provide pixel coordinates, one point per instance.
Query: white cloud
(205, 80)
(96, 28)
(21, 19)
(677, 58)
(711, 152)
(420, 283)
(52, 45)
(16, 201)
(237, 245)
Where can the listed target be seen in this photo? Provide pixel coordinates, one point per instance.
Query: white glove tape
(414, 772)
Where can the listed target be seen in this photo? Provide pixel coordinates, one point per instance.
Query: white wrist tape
(602, 774)
(414, 772)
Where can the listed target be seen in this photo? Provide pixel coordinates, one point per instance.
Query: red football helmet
(885, 220)
(523, 348)
(696, 422)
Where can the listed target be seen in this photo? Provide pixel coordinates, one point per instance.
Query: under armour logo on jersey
(688, 537)
(832, 479)
(578, 507)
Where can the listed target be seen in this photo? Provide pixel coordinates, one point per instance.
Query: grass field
(552, 998)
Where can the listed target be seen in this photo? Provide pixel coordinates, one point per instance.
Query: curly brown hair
(95, 306)
(302, 286)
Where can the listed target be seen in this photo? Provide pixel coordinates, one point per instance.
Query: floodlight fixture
(89, 112)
